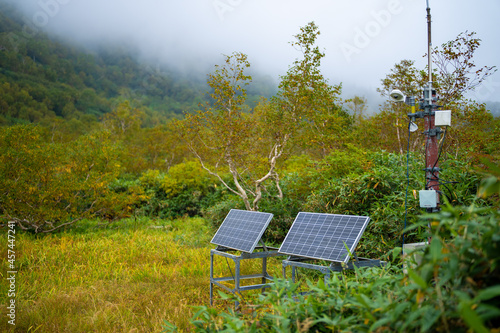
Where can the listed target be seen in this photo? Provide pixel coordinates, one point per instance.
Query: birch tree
(219, 134)
(227, 138)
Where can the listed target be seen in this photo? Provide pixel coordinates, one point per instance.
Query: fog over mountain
(362, 39)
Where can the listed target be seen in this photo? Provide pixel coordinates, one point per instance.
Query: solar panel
(242, 229)
(322, 236)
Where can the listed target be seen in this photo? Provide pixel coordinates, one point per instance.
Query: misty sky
(362, 39)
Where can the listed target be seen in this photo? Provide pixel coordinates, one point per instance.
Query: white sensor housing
(397, 95)
(443, 118)
(428, 198)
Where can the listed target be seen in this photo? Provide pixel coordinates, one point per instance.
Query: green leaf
(225, 296)
(169, 327)
(471, 317)
(436, 250)
(417, 279)
(379, 323)
(488, 187)
(488, 293)
(396, 252)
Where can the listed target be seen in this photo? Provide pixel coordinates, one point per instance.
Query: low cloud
(362, 39)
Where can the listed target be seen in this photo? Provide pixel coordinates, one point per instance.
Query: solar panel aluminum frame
(241, 243)
(284, 248)
(297, 262)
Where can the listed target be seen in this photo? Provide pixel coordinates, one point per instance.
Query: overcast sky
(362, 39)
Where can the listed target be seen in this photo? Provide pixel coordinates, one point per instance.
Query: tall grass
(126, 277)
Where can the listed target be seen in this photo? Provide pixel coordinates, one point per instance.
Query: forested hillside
(42, 78)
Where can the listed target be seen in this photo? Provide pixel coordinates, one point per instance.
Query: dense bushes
(46, 185)
(455, 288)
(184, 190)
(378, 193)
(374, 186)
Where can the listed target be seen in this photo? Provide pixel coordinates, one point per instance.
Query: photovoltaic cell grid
(322, 236)
(242, 229)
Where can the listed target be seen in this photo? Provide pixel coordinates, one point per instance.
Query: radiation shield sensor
(428, 198)
(443, 118)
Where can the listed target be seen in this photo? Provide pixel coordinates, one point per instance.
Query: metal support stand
(264, 253)
(294, 262)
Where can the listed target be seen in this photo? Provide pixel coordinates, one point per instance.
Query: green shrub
(284, 212)
(216, 212)
(182, 191)
(455, 287)
(460, 181)
(374, 187)
(48, 185)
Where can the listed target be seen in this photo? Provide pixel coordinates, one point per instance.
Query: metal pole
(264, 273)
(429, 46)
(431, 148)
(431, 132)
(211, 278)
(237, 280)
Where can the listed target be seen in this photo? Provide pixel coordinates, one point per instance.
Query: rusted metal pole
(431, 144)
(431, 132)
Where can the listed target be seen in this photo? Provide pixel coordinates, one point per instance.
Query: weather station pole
(433, 119)
(431, 132)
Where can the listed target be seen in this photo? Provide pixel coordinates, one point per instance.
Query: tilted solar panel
(242, 229)
(322, 236)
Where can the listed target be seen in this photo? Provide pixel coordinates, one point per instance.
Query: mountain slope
(43, 77)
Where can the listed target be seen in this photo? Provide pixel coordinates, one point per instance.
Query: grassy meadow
(129, 276)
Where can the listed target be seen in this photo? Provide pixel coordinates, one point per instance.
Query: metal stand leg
(211, 278)
(264, 272)
(237, 280)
